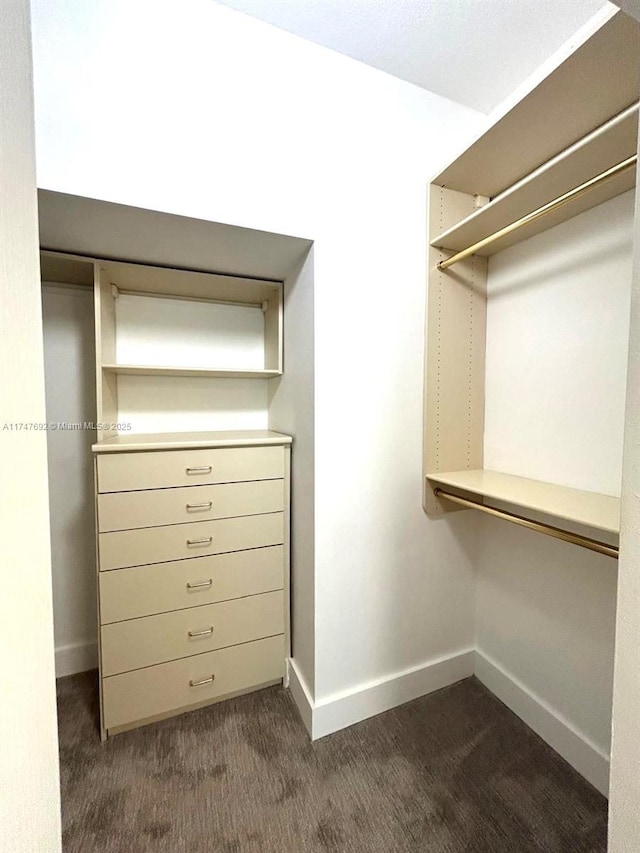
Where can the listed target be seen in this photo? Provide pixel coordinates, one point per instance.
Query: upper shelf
(603, 148)
(210, 373)
(601, 512)
(153, 321)
(598, 80)
(184, 284)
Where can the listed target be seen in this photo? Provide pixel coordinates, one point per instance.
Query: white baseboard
(344, 709)
(76, 657)
(574, 746)
(301, 695)
(341, 710)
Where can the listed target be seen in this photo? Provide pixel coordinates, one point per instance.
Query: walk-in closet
(320, 388)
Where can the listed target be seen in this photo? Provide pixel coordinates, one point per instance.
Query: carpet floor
(452, 772)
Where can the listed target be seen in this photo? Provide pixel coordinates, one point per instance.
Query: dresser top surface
(178, 440)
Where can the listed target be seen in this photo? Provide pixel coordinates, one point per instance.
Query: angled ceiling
(475, 52)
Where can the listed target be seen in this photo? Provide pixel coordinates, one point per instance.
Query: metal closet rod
(157, 294)
(538, 526)
(549, 207)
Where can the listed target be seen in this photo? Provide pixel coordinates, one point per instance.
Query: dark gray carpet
(453, 772)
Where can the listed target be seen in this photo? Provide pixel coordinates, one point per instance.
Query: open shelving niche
(177, 301)
(577, 123)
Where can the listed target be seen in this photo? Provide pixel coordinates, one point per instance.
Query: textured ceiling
(475, 52)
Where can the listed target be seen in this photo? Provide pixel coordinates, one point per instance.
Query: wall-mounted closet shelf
(538, 527)
(185, 440)
(610, 144)
(189, 329)
(183, 284)
(601, 512)
(220, 373)
(599, 80)
(568, 146)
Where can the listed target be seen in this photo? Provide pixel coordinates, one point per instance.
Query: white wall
(624, 815)
(557, 340)
(69, 359)
(175, 404)
(186, 333)
(183, 333)
(29, 779)
(215, 115)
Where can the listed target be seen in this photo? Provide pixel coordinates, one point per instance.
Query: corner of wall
(76, 657)
(341, 710)
(573, 745)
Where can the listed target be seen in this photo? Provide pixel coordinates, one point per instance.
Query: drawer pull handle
(204, 681)
(207, 541)
(204, 633)
(199, 469)
(200, 585)
(206, 505)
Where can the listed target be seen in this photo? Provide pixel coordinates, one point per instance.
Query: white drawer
(159, 469)
(135, 696)
(182, 541)
(138, 643)
(145, 590)
(127, 510)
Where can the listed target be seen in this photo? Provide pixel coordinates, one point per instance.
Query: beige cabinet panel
(127, 510)
(135, 696)
(145, 590)
(122, 472)
(143, 642)
(193, 560)
(182, 541)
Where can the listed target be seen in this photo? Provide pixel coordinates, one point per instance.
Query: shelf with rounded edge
(591, 509)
